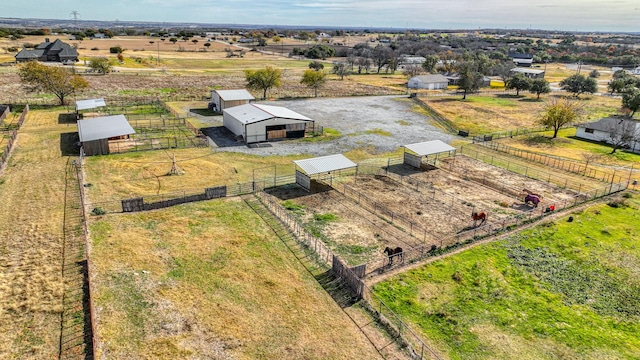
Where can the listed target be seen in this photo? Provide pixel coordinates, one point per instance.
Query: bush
(116, 50)
(618, 203)
(94, 48)
(98, 211)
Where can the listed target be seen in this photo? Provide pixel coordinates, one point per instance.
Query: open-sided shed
(308, 168)
(413, 153)
(89, 104)
(95, 133)
(223, 99)
(257, 122)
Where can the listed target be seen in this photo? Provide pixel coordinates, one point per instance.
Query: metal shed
(95, 133)
(223, 99)
(413, 157)
(307, 168)
(88, 104)
(257, 122)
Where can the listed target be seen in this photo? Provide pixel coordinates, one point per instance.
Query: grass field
(568, 146)
(210, 279)
(559, 290)
(490, 113)
(31, 240)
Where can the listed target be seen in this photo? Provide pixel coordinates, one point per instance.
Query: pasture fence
(352, 278)
(85, 228)
(4, 113)
(565, 182)
(567, 165)
(12, 138)
(383, 264)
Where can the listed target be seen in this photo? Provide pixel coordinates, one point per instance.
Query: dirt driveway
(382, 123)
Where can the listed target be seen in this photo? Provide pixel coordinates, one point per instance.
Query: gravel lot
(362, 121)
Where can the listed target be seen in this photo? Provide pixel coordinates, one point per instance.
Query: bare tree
(412, 70)
(623, 133)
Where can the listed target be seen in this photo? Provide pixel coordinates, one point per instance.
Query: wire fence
(12, 138)
(561, 164)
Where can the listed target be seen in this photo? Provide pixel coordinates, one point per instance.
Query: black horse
(391, 253)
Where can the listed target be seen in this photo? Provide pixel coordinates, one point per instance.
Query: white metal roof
(103, 128)
(324, 164)
(89, 104)
(430, 147)
(527, 71)
(251, 113)
(233, 95)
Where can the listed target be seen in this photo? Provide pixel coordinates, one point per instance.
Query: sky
(571, 15)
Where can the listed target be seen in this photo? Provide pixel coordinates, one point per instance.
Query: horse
(478, 216)
(391, 253)
(534, 199)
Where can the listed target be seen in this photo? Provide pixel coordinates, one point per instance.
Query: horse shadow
(521, 207)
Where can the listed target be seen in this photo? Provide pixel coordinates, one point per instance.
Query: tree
(412, 70)
(340, 69)
(518, 82)
(631, 99)
(470, 79)
(57, 80)
(173, 40)
(622, 133)
(559, 112)
(316, 65)
(207, 44)
(194, 41)
(578, 84)
(263, 79)
(539, 86)
(314, 79)
(276, 39)
(594, 74)
(430, 62)
(617, 85)
(503, 70)
(100, 65)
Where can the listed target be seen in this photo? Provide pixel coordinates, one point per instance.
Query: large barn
(257, 122)
(95, 133)
(222, 99)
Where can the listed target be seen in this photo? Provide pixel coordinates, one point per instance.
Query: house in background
(430, 82)
(521, 60)
(530, 73)
(222, 99)
(257, 122)
(47, 51)
(602, 129)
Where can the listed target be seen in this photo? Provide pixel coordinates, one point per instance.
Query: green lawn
(560, 290)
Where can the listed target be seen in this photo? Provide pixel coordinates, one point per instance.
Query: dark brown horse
(534, 199)
(391, 253)
(478, 216)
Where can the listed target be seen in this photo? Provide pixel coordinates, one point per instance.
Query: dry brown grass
(32, 193)
(491, 113)
(210, 279)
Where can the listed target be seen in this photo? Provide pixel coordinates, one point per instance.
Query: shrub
(94, 48)
(116, 50)
(618, 203)
(98, 211)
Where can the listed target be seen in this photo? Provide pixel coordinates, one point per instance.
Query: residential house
(521, 60)
(603, 129)
(47, 51)
(530, 73)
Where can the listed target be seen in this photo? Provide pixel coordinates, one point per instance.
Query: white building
(257, 122)
(222, 99)
(602, 129)
(431, 82)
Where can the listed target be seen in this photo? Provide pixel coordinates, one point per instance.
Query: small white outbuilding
(222, 99)
(257, 122)
(430, 82)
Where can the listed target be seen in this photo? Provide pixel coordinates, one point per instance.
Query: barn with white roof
(257, 122)
(223, 99)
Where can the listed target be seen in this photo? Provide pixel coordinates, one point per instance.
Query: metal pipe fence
(574, 167)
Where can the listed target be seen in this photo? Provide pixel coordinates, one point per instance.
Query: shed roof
(104, 127)
(89, 104)
(233, 95)
(609, 123)
(437, 78)
(252, 113)
(430, 147)
(527, 71)
(325, 164)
